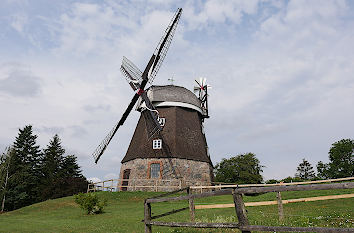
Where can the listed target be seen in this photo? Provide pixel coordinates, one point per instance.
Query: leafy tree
(341, 160)
(305, 171)
(5, 163)
(241, 169)
(272, 181)
(23, 185)
(323, 170)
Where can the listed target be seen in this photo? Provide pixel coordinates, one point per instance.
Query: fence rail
(157, 185)
(174, 184)
(240, 210)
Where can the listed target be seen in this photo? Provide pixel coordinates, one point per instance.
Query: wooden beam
(240, 211)
(263, 203)
(196, 224)
(265, 185)
(296, 229)
(280, 207)
(252, 227)
(249, 190)
(191, 206)
(147, 217)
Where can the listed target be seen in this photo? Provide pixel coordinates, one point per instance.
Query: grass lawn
(125, 212)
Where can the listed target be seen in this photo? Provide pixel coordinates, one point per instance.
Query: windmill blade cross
(138, 81)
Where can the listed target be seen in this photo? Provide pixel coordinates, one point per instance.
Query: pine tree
(70, 168)
(52, 166)
(305, 171)
(24, 184)
(62, 174)
(72, 181)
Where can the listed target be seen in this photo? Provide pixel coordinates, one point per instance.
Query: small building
(147, 163)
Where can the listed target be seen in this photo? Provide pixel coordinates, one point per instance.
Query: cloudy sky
(282, 74)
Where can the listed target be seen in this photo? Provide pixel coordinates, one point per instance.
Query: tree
(341, 160)
(5, 163)
(305, 171)
(323, 170)
(52, 166)
(62, 174)
(23, 185)
(241, 169)
(72, 181)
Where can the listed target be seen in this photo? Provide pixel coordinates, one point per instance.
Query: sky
(282, 74)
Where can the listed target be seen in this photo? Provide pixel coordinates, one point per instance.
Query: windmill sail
(164, 44)
(131, 73)
(102, 147)
(151, 117)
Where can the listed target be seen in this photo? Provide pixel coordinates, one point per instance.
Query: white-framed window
(162, 121)
(155, 170)
(157, 144)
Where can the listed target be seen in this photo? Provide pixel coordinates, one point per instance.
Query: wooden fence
(160, 185)
(237, 192)
(215, 186)
(155, 185)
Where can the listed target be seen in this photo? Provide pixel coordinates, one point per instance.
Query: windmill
(168, 142)
(138, 80)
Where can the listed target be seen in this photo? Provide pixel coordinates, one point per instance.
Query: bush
(90, 203)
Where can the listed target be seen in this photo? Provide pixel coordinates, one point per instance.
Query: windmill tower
(168, 144)
(181, 116)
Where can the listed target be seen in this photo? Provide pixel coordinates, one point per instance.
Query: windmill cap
(170, 95)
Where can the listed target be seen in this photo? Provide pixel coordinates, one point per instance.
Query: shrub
(90, 203)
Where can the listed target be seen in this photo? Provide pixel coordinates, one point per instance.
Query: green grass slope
(125, 211)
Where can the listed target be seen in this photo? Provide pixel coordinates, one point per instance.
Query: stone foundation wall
(193, 173)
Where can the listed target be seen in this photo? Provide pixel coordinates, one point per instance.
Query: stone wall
(193, 173)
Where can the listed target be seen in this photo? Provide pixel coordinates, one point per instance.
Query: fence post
(240, 210)
(280, 207)
(147, 217)
(191, 206)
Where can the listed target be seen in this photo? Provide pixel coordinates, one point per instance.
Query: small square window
(162, 121)
(157, 144)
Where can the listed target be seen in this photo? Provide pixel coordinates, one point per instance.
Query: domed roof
(171, 95)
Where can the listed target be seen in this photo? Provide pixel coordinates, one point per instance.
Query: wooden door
(125, 182)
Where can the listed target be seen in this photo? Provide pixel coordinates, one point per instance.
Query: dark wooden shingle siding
(182, 133)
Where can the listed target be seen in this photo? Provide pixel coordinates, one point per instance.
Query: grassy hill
(125, 212)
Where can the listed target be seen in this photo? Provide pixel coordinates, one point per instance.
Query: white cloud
(281, 74)
(18, 81)
(18, 22)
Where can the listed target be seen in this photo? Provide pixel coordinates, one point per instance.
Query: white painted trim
(175, 104)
